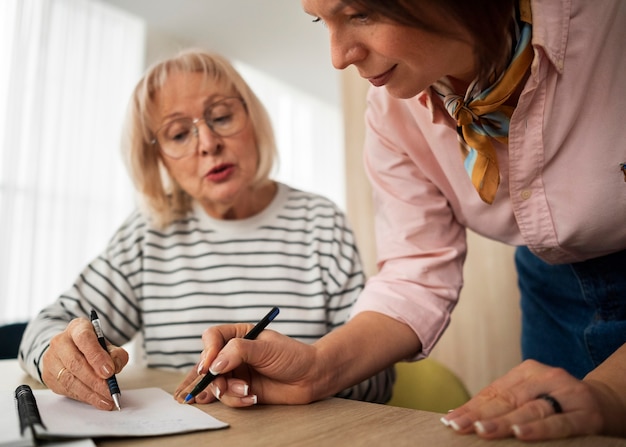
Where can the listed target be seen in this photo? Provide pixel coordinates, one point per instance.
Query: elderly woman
(216, 240)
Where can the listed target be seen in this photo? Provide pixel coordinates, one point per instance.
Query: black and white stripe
(169, 285)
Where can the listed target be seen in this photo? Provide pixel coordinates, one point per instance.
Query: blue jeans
(573, 315)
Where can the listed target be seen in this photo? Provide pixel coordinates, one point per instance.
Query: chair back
(427, 385)
(10, 338)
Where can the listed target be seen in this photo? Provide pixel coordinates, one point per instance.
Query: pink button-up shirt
(562, 191)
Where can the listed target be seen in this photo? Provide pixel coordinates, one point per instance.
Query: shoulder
(139, 226)
(305, 203)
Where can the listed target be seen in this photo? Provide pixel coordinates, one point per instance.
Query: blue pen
(112, 381)
(254, 333)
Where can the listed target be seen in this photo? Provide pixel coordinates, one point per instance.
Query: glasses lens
(177, 138)
(226, 117)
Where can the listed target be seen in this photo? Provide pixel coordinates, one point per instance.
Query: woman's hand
(75, 365)
(275, 369)
(271, 369)
(535, 402)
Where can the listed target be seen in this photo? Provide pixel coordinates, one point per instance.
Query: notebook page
(145, 412)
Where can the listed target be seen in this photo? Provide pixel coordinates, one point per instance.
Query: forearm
(609, 382)
(359, 349)
(35, 341)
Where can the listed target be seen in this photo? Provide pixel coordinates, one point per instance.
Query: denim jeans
(573, 315)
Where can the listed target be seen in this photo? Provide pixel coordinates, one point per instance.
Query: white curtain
(67, 69)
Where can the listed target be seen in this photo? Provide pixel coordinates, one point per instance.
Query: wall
(482, 342)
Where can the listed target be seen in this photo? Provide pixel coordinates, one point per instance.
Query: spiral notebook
(145, 412)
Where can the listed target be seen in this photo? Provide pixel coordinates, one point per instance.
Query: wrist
(361, 348)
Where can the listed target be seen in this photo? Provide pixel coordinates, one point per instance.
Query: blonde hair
(164, 199)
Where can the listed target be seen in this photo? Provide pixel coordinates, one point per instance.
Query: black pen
(254, 333)
(112, 381)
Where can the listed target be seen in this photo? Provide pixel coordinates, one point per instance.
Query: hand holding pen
(75, 364)
(251, 335)
(111, 381)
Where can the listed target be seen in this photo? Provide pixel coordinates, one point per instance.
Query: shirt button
(526, 194)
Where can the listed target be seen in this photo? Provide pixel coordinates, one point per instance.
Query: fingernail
(241, 388)
(118, 364)
(485, 427)
(217, 392)
(218, 365)
(517, 430)
(445, 422)
(105, 405)
(249, 399)
(106, 370)
(202, 395)
(460, 423)
(200, 366)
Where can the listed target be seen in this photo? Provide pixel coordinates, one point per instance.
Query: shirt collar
(551, 20)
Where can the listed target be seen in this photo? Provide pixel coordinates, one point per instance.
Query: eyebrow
(215, 97)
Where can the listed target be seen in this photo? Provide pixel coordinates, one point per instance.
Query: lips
(220, 172)
(383, 78)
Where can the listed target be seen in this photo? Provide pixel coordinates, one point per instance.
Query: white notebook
(145, 412)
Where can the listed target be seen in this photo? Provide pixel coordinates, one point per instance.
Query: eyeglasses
(179, 138)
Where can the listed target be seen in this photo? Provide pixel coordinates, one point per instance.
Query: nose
(345, 50)
(208, 141)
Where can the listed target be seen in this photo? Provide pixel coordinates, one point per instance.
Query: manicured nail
(460, 423)
(485, 427)
(445, 422)
(200, 366)
(107, 371)
(517, 430)
(250, 399)
(241, 388)
(218, 365)
(217, 392)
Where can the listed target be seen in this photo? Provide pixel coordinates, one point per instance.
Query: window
(68, 69)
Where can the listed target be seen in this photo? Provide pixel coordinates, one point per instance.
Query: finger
(84, 344)
(120, 357)
(237, 394)
(83, 335)
(213, 392)
(215, 338)
(513, 390)
(537, 409)
(559, 426)
(78, 390)
(186, 385)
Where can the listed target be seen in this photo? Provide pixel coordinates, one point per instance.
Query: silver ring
(61, 373)
(556, 406)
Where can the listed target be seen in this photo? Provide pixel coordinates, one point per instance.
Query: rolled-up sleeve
(420, 244)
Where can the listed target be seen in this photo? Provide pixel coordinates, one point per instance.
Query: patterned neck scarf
(482, 115)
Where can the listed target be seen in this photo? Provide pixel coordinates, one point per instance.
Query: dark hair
(488, 21)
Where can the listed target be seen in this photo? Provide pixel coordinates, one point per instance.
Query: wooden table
(332, 422)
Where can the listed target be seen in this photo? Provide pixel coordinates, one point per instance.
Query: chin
(405, 92)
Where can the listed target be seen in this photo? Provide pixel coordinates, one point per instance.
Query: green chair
(427, 385)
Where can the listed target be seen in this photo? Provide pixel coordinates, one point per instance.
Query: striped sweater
(168, 285)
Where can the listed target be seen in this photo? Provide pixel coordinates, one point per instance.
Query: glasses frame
(194, 123)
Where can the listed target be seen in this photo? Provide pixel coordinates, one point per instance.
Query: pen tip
(188, 398)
